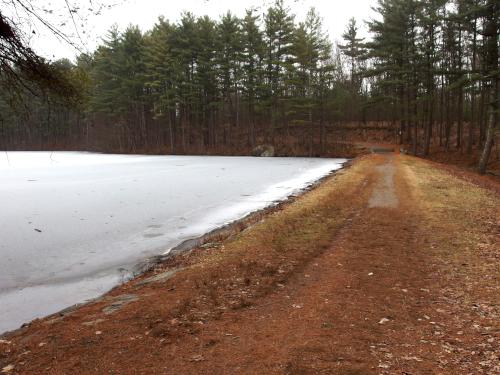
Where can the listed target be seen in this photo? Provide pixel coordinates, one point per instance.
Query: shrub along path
(389, 267)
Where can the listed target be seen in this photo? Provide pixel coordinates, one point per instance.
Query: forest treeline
(427, 75)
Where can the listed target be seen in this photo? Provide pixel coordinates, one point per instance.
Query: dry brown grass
(462, 224)
(303, 290)
(251, 264)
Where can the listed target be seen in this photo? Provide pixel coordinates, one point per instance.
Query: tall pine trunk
(492, 65)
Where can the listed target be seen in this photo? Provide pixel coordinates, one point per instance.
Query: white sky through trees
(92, 28)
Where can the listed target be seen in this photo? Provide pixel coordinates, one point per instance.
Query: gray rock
(164, 276)
(263, 151)
(93, 322)
(119, 302)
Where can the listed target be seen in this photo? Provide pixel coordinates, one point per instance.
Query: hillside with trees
(426, 78)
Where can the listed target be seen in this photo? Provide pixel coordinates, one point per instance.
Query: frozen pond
(73, 225)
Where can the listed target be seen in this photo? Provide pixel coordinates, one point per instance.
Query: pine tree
(491, 34)
(106, 75)
(206, 79)
(252, 60)
(229, 62)
(429, 22)
(160, 67)
(119, 80)
(185, 45)
(389, 53)
(431, 67)
(279, 35)
(355, 50)
(308, 45)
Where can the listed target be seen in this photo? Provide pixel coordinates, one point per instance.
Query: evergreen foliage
(429, 69)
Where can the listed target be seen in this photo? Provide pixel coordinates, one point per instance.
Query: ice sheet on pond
(73, 225)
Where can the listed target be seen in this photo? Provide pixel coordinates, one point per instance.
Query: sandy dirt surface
(389, 267)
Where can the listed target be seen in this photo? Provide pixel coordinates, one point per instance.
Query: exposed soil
(390, 267)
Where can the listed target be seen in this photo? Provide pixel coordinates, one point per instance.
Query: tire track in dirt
(335, 315)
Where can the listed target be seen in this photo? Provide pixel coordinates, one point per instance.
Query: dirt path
(384, 194)
(406, 282)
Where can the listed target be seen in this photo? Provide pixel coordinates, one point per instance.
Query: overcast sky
(146, 12)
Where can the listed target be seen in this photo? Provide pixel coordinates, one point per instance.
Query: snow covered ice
(73, 225)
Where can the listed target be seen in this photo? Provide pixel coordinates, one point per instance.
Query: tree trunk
(460, 112)
(470, 140)
(460, 108)
(447, 130)
(492, 66)
(490, 130)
